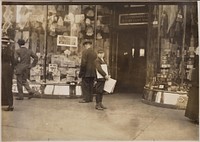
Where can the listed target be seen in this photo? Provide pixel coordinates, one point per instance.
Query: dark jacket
(192, 109)
(23, 59)
(7, 57)
(87, 68)
(98, 64)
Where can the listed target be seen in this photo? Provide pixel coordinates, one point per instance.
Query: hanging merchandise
(171, 12)
(69, 18)
(87, 21)
(79, 18)
(60, 21)
(89, 31)
(89, 12)
(164, 24)
(51, 9)
(99, 35)
(66, 18)
(67, 52)
(98, 23)
(24, 10)
(176, 30)
(23, 16)
(80, 35)
(74, 30)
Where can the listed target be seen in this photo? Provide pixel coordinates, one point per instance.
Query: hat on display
(89, 31)
(89, 12)
(5, 40)
(99, 36)
(21, 42)
(87, 42)
(87, 21)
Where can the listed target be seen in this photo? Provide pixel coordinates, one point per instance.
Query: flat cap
(21, 42)
(100, 50)
(87, 42)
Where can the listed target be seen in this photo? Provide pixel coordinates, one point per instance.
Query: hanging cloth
(164, 24)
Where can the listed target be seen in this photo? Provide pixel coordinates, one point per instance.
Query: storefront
(149, 46)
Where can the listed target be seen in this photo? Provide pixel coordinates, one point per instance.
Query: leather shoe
(10, 108)
(30, 95)
(19, 98)
(83, 101)
(102, 106)
(98, 107)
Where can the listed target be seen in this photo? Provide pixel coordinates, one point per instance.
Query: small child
(103, 73)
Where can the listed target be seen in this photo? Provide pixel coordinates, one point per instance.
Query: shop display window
(56, 33)
(177, 41)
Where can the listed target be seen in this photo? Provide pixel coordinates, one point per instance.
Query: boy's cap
(87, 42)
(100, 50)
(21, 42)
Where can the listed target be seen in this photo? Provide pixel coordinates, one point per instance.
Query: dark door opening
(131, 60)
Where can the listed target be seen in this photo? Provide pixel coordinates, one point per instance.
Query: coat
(98, 88)
(23, 59)
(99, 69)
(87, 68)
(192, 109)
(7, 76)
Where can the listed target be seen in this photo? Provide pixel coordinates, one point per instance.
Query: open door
(131, 64)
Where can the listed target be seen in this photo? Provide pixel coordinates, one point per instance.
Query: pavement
(126, 119)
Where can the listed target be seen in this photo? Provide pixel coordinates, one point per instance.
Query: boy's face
(100, 55)
(87, 45)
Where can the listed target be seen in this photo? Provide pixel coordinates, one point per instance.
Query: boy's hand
(107, 77)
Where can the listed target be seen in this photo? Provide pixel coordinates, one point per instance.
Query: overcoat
(87, 68)
(23, 58)
(192, 109)
(7, 76)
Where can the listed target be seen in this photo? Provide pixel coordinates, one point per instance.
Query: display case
(171, 81)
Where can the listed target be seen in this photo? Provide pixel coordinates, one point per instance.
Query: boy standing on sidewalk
(102, 76)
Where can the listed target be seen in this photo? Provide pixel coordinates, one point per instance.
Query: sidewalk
(126, 118)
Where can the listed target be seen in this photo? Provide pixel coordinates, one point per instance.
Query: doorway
(131, 60)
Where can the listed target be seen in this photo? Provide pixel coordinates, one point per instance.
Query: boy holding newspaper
(102, 76)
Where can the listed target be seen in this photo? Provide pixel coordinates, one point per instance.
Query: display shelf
(53, 90)
(163, 98)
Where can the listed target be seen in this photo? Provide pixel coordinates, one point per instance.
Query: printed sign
(133, 19)
(67, 41)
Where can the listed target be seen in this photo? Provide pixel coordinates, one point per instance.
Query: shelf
(163, 98)
(159, 90)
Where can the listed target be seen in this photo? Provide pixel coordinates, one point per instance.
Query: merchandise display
(67, 27)
(171, 83)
